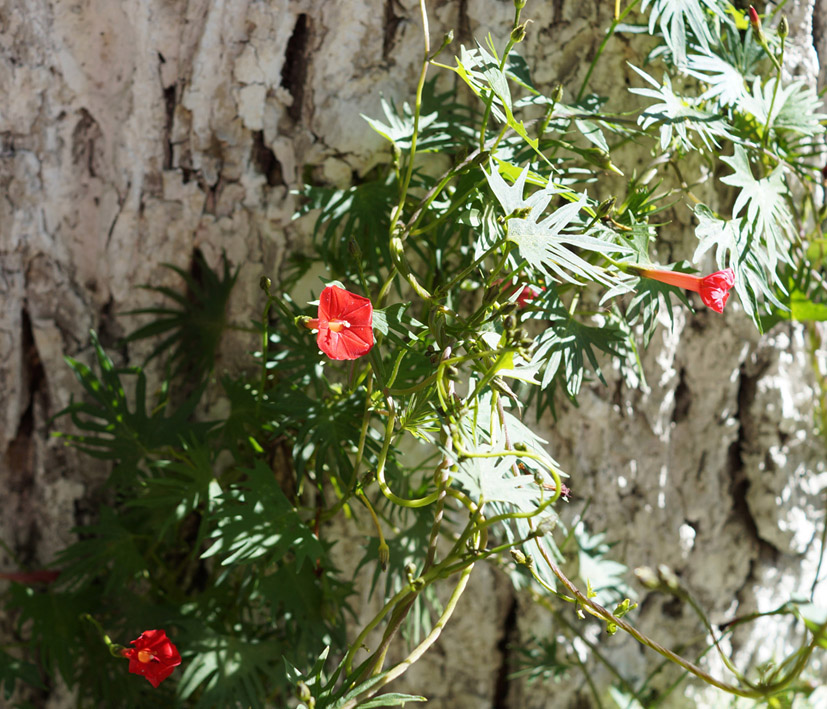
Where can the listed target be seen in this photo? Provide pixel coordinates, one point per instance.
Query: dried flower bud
(510, 322)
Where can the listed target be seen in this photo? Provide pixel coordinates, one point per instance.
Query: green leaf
(815, 618)
(224, 670)
(675, 16)
(795, 107)
(678, 113)
(545, 244)
(195, 328)
(13, 669)
(766, 204)
(256, 522)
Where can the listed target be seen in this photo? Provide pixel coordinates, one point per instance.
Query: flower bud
(518, 33)
(605, 208)
(557, 96)
(755, 21)
(510, 322)
(783, 27)
(265, 283)
(519, 4)
(520, 446)
(384, 555)
(520, 213)
(518, 556)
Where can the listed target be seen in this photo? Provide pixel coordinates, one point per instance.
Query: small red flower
(345, 324)
(527, 293)
(154, 656)
(714, 288)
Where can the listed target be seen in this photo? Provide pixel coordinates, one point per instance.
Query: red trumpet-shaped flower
(714, 288)
(345, 324)
(154, 656)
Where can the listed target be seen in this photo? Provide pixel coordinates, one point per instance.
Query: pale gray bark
(134, 133)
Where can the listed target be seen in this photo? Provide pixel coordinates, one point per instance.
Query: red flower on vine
(527, 292)
(714, 288)
(154, 656)
(345, 324)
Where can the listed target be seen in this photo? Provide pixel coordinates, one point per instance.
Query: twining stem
(380, 468)
(420, 649)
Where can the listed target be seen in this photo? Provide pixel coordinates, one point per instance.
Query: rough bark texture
(135, 133)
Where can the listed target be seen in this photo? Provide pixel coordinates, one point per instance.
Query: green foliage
(192, 331)
(507, 270)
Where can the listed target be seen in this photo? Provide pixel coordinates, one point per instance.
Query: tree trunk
(139, 133)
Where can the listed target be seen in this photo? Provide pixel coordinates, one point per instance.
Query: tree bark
(136, 134)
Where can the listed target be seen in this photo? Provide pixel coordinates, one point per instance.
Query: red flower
(345, 324)
(714, 289)
(154, 656)
(527, 293)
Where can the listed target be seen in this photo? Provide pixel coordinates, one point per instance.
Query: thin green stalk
(605, 614)
(490, 100)
(779, 63)
(403, 191)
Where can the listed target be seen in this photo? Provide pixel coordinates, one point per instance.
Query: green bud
(519, 4)
(520, 446)
(264, 283)
(623, 608)
(354, 249)
(605, 208)
(518, 33)
(410, 571)
(783, 27)
(518, 556)
(520, 213)
(557, 96)
(384, 555)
